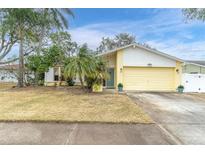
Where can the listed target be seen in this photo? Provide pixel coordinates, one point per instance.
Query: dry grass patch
(6, 85)
(72, 105)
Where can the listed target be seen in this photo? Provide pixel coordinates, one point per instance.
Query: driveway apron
(182, 116)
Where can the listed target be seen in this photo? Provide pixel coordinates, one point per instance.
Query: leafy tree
(80, 65)
(106, 44)
(119, 40)
(63, 40)
(39, 64)
(194, 13)
(24, 25)
(36, 64)
(54, 55)
(123, 39)
(7, 40)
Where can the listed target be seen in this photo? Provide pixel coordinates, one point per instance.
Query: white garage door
(193, 82)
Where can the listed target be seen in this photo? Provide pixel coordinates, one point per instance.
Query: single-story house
(8, 73)
(136, 67)
(142, 69)
(193, 77)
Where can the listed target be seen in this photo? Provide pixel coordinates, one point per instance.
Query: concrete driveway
(180, 116)
(62, 133)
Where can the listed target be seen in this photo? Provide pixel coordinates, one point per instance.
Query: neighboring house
(193, 78)
(194, 67)
(142, 69)
(54, 76)
(8, 73)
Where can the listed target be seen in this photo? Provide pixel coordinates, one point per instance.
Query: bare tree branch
(15, 59)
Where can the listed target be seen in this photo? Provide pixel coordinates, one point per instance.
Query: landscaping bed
(68, 105)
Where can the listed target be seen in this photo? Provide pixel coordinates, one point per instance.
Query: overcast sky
(164, 29)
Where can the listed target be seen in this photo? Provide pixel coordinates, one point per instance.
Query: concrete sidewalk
(62, 133)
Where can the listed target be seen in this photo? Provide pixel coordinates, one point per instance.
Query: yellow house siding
(115, 77)
(119, 67)
(110, 60)
(178, 74)
(157, 78)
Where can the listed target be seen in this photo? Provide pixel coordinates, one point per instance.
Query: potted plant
(120, 87)
(180, 88)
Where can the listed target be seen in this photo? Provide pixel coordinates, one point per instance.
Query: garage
(148, 78)
(142, 69)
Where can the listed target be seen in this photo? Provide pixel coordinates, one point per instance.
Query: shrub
(70, 82)
(41, 82)
(90, 82)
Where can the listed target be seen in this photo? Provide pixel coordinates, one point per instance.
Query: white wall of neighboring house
(141, 57)
(7, 76)
(49, 76)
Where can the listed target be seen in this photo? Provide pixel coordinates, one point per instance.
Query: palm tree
(25, 25)
(80, 65)
(98, 74)
(87, 67)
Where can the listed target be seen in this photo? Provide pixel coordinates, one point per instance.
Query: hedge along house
(142, 69)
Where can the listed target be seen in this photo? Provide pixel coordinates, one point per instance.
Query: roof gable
(145, 48)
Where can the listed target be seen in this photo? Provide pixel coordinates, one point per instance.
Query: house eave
(142, 47)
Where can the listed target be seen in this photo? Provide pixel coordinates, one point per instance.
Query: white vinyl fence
(193, 82)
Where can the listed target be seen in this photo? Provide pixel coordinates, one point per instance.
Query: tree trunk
(81, 81)
(36, 77)
(21, 61)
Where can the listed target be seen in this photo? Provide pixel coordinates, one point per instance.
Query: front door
(110, 81)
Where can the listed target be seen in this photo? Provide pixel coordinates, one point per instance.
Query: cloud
(165, 31)
(186, 51)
